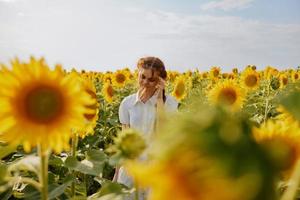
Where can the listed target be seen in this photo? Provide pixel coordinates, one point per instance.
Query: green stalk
(43, 176)
(136, 191)
(73, 153)
(267, 102)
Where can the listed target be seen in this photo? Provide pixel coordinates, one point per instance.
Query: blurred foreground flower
(281, 139)
(209, 154)
(39, 105)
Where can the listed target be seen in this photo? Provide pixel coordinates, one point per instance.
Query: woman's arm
(115, 178)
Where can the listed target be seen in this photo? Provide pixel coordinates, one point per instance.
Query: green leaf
(110, 190)
(111, 187)
(85, 166)
(96, 156)
(6, 195)
(28, 163)
(57, 190)
(115, 159)
(31, 193)
(56, 161)
(106, 197)
(113, 122)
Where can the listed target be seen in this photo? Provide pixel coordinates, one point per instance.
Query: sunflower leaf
(85, 166)
(27, 163)
(57, 190)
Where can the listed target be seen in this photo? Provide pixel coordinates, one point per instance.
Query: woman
(138, 111)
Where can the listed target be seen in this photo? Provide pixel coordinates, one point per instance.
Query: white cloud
(227, 5)
(226, 41)
(106, 36)
(7, 1)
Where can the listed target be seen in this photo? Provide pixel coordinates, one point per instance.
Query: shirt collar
(152, 99)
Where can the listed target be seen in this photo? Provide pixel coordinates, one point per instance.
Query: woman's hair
(155, 64)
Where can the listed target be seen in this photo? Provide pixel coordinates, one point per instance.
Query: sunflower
(225, 75)
(228, 93)
(188, 74)
(282, 140)
(181, 86)
(270, 72)
(120, 78)
(107, 77)
(232, 76)
(235, 71)
(129, 144)
(251, 67)
(91, 116)
(204, 75)
(172, 76)
(108, 92)
(214, 73)
(40, 106)
(295, 76)
(250, 79)
(283, 79)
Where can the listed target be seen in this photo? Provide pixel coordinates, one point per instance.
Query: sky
(106, 35)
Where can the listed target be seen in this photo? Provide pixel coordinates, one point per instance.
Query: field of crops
(235, 136)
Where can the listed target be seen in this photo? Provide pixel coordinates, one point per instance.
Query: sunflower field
(236, 135)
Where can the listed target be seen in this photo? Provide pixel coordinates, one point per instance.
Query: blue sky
(105, 35)
(280, 11)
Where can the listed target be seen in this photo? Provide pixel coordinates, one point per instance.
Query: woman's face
(148, 78)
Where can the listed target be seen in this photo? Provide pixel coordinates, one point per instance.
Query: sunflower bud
(130, 144)
(275, 84)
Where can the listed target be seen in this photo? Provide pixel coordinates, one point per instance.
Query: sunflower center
(43, 104)
(296, 76)
(93, 106)
(251, 80)
(120, 78)
(110, 91)
(284, 80)
(216, 73)
(180, 89)
(228, 96)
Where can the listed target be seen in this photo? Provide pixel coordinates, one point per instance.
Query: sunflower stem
(136, 191)
(73, 153)
(291, 191)
(43, 154)
(267, 102)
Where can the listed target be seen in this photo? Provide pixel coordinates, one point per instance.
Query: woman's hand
(143, 95)
(146, 93)
(160, 87)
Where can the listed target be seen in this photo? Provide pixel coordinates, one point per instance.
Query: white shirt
(141, 116)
